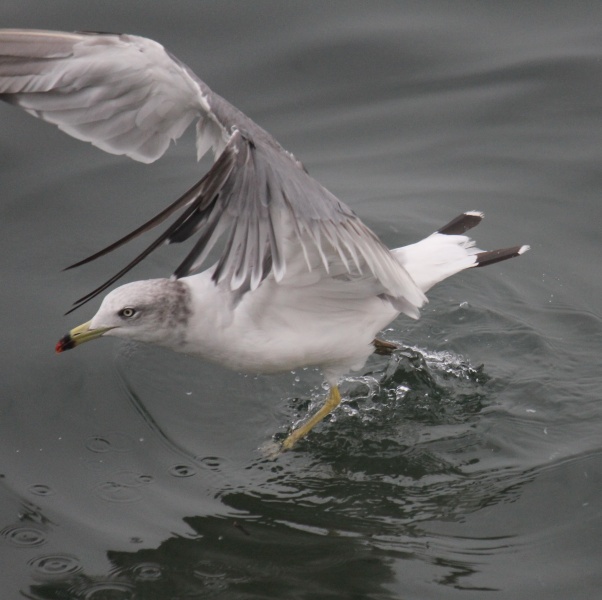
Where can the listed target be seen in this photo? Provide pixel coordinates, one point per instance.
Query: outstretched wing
(123, 93)
(127, 95)
(271, 209)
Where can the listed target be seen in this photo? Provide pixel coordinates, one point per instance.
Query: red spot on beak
(65, 343)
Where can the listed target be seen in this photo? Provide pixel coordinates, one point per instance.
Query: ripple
(182, 471)
(98, 444)
(212, 462)
(39, 489)
(116, 492)
(147, 571)
(217, 576)
(106, 590)
(114, 441)
(212, 576)
(23, 536)
(132, 478)
(55, 565)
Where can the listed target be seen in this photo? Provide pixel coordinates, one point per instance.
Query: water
(470, 463)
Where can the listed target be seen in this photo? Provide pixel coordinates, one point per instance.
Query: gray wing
(126, 95)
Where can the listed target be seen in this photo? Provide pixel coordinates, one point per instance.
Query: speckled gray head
(155, 311)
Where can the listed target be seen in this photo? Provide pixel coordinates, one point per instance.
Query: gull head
(154, 311)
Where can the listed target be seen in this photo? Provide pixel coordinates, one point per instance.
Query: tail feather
(493, 256)
(447, 252)
(462, 223)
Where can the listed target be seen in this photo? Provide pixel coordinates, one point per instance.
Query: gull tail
(447, 252)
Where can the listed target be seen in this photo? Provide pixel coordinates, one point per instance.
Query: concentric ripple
(106, 590)
(23, 536)
(55, 566)
(116, 492)
(39, 489)
(147, 571)
(182, 471)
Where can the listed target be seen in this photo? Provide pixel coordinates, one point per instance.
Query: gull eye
(127, 312)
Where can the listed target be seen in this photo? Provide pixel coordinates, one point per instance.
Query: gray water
(469, 465)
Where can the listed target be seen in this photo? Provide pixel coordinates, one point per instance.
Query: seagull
(299, 280)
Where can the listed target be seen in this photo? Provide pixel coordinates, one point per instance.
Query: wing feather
(123, 93)
(127, 95)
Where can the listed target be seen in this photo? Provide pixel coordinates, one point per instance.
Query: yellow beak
(79, 335)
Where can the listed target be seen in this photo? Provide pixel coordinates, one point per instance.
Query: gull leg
(333, 400)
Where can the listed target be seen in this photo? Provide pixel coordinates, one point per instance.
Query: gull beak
(79, 335)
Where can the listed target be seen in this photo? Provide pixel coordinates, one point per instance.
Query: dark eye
(126, 313)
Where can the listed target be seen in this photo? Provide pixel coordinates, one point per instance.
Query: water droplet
(23, 536)
(55, 565)
(182, 471)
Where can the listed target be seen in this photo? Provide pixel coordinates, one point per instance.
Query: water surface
(467, 465)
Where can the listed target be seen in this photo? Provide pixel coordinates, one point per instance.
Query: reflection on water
(469, 460)
(226, 563)
(362, 494)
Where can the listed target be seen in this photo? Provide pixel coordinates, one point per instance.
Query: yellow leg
(333, 400)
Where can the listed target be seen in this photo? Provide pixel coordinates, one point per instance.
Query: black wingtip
(462, 223)
(182, 201)
(74, 308)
